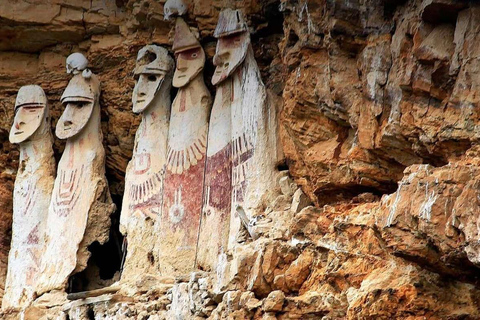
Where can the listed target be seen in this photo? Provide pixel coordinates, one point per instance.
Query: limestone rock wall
(377, 215)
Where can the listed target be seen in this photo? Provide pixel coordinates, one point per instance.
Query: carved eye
(194, 55)
(31, 109)
(152, 77)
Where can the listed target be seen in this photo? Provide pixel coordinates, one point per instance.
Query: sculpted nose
(141, 87)
(68, 115)
(216, 60)
(18, 125)
(181, 64)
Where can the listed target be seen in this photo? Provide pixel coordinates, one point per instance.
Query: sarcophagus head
(80, 98)
(154, 65)
(31, 114)
(188, 53)
(233, 42)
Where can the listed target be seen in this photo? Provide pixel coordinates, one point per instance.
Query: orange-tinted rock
(6, 202)
(380, 101)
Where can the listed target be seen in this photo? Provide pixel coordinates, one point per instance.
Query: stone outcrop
(374, 211)
(6, 203)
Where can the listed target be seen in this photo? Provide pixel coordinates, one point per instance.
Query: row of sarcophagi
(193, 165)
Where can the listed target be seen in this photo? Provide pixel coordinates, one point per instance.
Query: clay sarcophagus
(187, 147)
(32, 193)
(142, 201)
(80, 208)
(241, 144)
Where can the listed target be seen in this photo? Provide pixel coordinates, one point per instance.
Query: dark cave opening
(91, 314)
(104, 265)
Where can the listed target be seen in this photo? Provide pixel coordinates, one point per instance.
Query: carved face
(28, 118)
(146, 87)
(75, 117)
(189, 64)
(230, 53)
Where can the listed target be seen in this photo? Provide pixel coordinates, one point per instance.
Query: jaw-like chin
(17, 136)
(219, 77)
(24, 134)
(181, 79)
(66, 132)
(140, 105)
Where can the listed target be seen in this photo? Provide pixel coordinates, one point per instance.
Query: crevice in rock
(333, 194)
(468, 273)
(282, 165)
(292, 39)
(390, 6)
(274, 18)
(90, 314)
(104, 265)
(443, 11)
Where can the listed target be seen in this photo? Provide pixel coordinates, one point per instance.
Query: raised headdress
(31, 94)
(81, 89)
(153, 59)
(230, 22)
(31, 113)
(184, 38)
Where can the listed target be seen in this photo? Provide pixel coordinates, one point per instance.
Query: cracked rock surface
(376, 216)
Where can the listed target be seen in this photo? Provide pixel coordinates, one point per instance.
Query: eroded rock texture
(377, 215)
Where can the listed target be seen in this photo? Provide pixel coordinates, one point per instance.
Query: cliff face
(377, 216)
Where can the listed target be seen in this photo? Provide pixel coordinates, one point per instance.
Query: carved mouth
(18, 132)
(182, 76)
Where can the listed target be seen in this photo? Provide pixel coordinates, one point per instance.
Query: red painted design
(178, 160)
(67, 194)
(216, 206)
(29, 195)
(182, 202)
(242, 151)
(142, 163)
(183, 100)
(147, 194)
(33, 237)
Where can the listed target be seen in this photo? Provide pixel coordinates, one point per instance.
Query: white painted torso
(31, 198)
